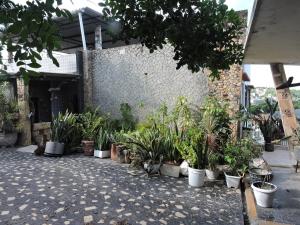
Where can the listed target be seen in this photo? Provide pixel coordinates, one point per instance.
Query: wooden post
(23, 102)
(285, 102)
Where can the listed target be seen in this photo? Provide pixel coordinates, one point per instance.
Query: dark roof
(70, 30)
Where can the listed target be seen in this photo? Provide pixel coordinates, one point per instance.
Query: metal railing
(67, 65)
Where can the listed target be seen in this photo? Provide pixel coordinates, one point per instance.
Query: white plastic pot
(102, 154)
(232, 181)
(212, 174)
(184, 167)
(264, 197)
(170, 170)
(196, 177)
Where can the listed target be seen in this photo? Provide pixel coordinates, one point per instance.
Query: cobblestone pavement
(85, 190)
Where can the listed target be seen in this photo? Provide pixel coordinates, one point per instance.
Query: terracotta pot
(88, 147)
(113, 152)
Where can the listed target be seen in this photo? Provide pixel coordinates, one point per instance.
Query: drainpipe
(82, 30)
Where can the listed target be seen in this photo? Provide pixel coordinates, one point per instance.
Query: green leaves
(30, 29)
(203, 33)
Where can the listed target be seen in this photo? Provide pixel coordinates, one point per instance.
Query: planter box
(232, 181)
(170, 170)
(8, 139)
(264, 197)
(196, 177)
(102, 154)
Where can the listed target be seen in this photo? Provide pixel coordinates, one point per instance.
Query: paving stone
(76, 189)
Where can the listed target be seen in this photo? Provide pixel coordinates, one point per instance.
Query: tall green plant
(64, 128)
(148, 144)
(102, 140)
(8, 112)
(91, 122)
(192, 148)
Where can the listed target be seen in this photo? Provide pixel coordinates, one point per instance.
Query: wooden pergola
(274, 38)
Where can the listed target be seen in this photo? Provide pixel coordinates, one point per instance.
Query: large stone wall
(131, 74)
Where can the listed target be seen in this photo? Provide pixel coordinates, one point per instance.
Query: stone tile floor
(85, 190)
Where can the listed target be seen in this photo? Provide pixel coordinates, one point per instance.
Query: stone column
(98, 38)
(285, 102)
(24, 110)
(87, 80)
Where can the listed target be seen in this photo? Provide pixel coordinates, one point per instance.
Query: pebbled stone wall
(131, 74)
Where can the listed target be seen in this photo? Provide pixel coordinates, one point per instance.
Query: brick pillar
(23, 102)
(285, 102)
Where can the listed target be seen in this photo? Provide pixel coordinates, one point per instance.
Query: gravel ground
(84, 190)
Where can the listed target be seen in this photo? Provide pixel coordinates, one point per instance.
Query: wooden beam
(285, 102)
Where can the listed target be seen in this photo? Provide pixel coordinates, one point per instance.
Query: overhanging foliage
(204, 33)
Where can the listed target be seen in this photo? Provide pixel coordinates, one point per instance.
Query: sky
(260, 75)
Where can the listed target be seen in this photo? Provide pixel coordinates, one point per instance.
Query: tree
(204, 33)
(29, 29)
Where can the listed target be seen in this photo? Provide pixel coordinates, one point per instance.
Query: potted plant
(148, 145)
(102, 144)
(193, 151)
(269, 126)
(118, 145)
(237, 156)
(9, 116)
(172, 157)
(212, 172)
(264, 193)
(62, 128)
(91, 122)
(215, 123)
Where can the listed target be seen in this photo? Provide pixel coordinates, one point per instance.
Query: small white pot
(102, 154)
(264, 197)
(196, 177)
(232, 181)
(170, 170)
(212, 174)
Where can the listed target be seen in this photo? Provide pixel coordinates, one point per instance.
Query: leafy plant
(148, 144)
(8, 112)
(270, 127)
(91, 122)
(238, 154)
(204, 33)
(27, 30)
(102, 140)
(192, 148)
(63, 128)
